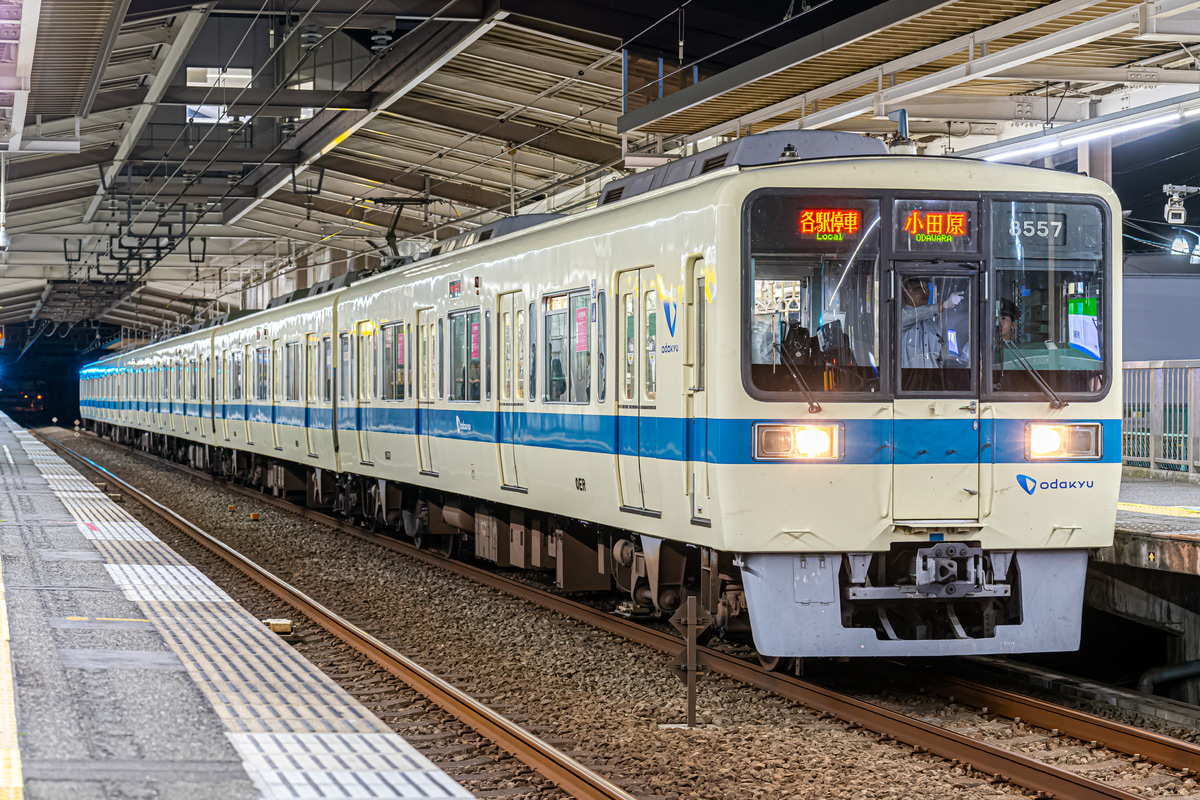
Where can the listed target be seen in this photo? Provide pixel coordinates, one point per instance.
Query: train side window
(532, 351)
(465, 356)
(312, 371)
(203, 364)
(651, 301)
(347, 384)
(520, 354)
(411, 366)
(426, 332)
(291, 371)
(218, 376)
(262, 373)
(628, 348)
(601, 346)
(178, 380)
(441, 356)
(235, 375)
(568, 349)
(191, 379)
(487, 354)
(393, 361)
(506, 362)
(327, 369)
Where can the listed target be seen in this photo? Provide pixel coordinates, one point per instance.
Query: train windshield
(1050, 316)
(813, 285)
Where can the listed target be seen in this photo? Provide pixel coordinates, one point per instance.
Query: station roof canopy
(997, 62)
(166, 161)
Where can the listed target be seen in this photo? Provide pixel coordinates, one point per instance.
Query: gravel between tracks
(591, 693)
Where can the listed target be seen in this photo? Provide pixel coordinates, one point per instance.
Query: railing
(1160, 415)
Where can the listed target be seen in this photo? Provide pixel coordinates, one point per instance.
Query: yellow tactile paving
(1162, 511)
(12, 785)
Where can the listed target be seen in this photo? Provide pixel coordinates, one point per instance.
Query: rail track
(1011, 766)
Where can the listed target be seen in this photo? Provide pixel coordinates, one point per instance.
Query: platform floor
(1158, 526)
(125, 672)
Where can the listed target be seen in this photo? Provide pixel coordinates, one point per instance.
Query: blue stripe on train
(722, 441)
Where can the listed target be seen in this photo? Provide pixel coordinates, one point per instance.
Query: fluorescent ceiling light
(1161, 119)
(1040, 147)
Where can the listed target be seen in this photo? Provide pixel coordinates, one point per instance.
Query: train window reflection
(568, 349)
(464, 356)
(812, 295)
(1049, 315)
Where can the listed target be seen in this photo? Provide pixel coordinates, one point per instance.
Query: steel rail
(549, 762)
(1118, 736)
(1015, 767)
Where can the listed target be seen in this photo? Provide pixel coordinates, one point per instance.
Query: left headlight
(1073, 441)
(803, 442)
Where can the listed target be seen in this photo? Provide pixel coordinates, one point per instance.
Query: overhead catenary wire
(433, 230)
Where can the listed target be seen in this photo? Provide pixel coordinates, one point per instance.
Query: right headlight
(797, 442)
(1071, 441)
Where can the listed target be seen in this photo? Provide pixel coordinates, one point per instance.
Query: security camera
(1174, 212)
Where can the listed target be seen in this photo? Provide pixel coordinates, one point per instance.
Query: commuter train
(858, 404)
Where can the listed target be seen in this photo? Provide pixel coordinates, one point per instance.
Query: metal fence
(1160, 415)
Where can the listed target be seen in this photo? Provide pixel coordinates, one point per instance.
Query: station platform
(125, 672)
(1158, 525)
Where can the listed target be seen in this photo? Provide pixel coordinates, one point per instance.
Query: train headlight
(803, 442)
(1074, 441)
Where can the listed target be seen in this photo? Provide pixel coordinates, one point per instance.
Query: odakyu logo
(671, 312)
(1030, 485)
(463, 427)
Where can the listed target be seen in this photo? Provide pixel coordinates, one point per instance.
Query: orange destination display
(936, 226)
(830, 224)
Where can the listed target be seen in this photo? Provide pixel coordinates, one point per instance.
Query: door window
(936, 342)
(650, 299)
(465, 356)
(629, 348)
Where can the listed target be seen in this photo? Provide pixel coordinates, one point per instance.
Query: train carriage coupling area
(124, 671)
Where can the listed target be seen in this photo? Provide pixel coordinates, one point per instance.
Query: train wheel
(776, 663)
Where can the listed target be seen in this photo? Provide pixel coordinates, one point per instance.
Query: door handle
(970, 407)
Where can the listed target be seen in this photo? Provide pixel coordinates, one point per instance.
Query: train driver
(920, 325)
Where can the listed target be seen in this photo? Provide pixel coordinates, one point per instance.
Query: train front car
(929, 375)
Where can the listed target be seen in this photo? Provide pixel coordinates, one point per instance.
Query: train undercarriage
(922, 592)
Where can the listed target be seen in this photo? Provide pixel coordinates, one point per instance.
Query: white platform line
(8, 455)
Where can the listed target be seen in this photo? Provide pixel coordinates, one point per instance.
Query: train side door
(637, 424)
(426, 387)
(365, 350)
(512, 384)
(312, 384)
(697, 396)
(936, 412)
(275, 389)
(249, 387)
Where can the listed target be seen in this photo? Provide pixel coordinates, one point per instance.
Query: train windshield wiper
(1055, 400)
(813, 406)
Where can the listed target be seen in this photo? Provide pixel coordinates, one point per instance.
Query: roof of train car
(453, 260)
